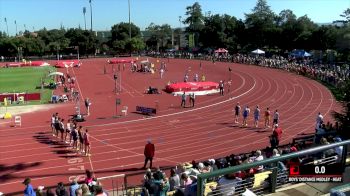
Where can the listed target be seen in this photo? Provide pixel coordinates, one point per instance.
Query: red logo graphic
(294, 169)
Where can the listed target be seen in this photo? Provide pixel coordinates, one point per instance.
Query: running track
(180, 135)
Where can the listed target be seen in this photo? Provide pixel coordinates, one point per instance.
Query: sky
(37, 14)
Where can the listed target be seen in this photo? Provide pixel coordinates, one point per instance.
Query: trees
(195, 21)
(86, 40)
(120, 40)
(261, 25)
(219, 31)
(160, 36)
(343, 117)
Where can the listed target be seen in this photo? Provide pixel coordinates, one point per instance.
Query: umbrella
(258, 51)
(56, 73)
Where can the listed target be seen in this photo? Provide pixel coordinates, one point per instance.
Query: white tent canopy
(56, 73)
(258, 51)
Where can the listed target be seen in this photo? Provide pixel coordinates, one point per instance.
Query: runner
(68, 130)
(57, 124)
(61, 125)
(53, 119)
(237, 112)
(161, 73)
(267, 118)
(276, 117)
(245, 115)
(74, 135)
(81, 140)
(256, 116)
(87, 143)
(87, 105)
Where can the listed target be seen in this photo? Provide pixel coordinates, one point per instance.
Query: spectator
(89, 177)
(174, 180)
(28, 191)
(73, 187)
(338, 150)
(319, 119)
(79, 192)
(185, 180)
(85, 190)
(258, 157)
(227, 184)
(61, 190)
(40, 191)
(149, 153)
(275, 153)
(49, 192)
(99, 191)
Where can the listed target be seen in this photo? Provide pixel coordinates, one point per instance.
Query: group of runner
(245, 112)
(72, 134)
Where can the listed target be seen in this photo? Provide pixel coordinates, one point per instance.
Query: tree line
(262, 28)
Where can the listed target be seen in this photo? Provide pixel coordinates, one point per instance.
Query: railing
(272, 162)
(116, 187)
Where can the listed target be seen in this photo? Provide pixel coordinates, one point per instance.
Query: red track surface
(206, 131)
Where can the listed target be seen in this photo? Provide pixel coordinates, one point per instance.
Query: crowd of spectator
(182, 179)
(89, 187)
(330, 73)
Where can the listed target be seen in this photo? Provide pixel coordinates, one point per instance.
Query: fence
(277, 177)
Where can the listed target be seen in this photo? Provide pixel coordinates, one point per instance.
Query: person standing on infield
(87, 105)
(183, 100)
(149, 153)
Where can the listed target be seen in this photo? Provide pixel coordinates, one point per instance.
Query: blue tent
(300, 53)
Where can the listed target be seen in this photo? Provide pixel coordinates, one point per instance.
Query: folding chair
(125, 110)
(18, 121)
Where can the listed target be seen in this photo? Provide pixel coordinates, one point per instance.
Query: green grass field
(26, 79)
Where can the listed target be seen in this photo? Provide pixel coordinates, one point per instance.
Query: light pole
(16, 26)
(129, 20)
(90, 13)
(84, 12)
(7, 27)
(180, 17)
(129, 26)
